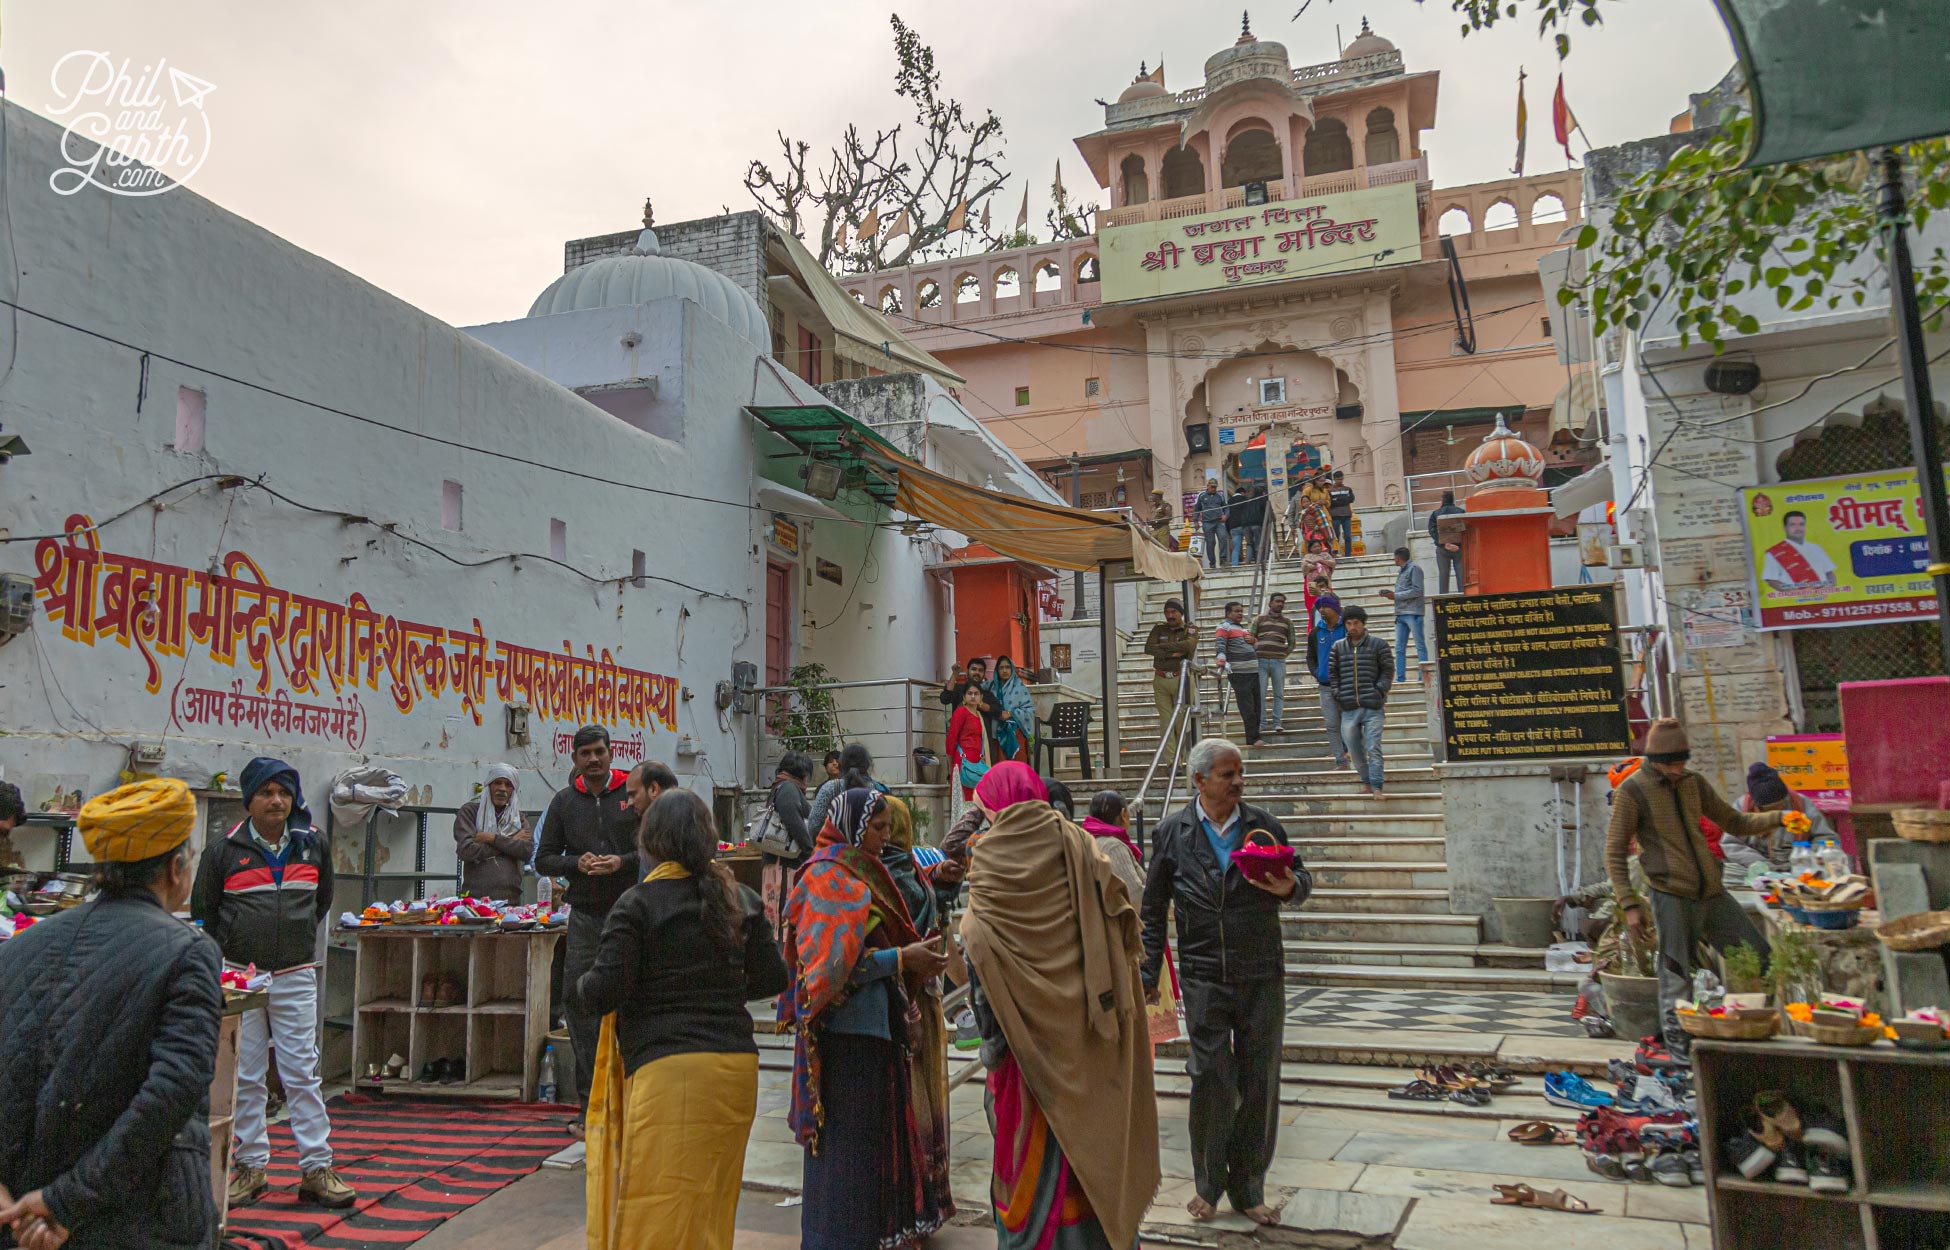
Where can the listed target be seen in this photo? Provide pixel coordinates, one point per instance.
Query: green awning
(823, 432)
(1437, 418)
(1831, 76)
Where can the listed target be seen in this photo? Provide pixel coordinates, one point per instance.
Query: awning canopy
(1576, 403)
(862, 335)
(1024, 529)
(1592, 486)
(825, 433)
(1833, 76)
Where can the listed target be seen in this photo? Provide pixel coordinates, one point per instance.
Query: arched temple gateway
(1269, 263)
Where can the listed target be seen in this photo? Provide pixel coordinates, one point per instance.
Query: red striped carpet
(415, 1165)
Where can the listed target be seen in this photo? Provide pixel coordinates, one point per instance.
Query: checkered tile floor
(1547, 1015)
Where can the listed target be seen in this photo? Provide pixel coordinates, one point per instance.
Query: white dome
(644, 276)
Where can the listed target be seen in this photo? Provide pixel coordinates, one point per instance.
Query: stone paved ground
(1352, 1167)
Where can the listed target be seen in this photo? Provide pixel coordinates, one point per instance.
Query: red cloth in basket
(1262, 858)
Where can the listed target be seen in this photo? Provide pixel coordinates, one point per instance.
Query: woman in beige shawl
(1052, 943)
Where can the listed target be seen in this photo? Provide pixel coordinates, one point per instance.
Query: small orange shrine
(1506, 519)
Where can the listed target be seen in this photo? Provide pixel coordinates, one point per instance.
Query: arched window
(1328, 151)
(1087, 269)
(1007, 283)
(1251, 156)
(1183, 173)
(968, 289)
(1502, 215)
(1137, 184)
(1384, 145)
(1546, 208)
(1455, 221)
(890, 301)
(929, 296)
(1048, 277)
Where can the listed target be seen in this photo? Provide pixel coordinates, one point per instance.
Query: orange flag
(1523, 125)
(903, 224)
(958, 220)
(870, 224)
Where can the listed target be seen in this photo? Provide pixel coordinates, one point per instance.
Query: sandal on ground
(1475, 1096)
(1419, 1091)
(1538, 1133)
(1555, 1200)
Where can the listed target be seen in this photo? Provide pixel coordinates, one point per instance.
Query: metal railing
(1425, 494)
(889, 716)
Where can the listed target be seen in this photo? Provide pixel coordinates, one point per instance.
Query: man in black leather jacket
(1232, 976)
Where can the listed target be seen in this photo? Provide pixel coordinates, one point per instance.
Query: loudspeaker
(1198, 436)
(1732, 377)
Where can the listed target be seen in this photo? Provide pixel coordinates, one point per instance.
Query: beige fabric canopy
(1049, 534)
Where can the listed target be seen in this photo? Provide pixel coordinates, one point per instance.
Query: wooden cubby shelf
(1891, 1104)
(496, 1030)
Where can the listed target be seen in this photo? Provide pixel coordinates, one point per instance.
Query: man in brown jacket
(1170, 644)
(1660, 805)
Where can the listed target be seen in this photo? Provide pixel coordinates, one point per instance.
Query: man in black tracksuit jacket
(589, 836)
(1232, 973)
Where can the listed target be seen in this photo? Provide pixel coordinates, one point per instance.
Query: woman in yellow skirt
(676, 1084)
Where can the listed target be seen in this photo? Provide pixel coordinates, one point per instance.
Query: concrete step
(1319, 921)
(1390, 901)
(1432, 977)
(1314, 954)
(1378, 850)
(1313, 778)
(1359, 1087)
(1410, 1048)
(1342, 874)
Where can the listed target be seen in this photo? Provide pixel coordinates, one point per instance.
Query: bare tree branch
(952, 162)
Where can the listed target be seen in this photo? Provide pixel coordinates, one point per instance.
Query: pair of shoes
(1654, 1055)
(246, 1183)
(1669, 1167)
(444, 1072)
(1568, 1089)
(967, 1036)
(1598, 1027)
(323, 1187)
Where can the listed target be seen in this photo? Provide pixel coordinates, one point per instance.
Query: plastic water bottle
(545, 1078)
(544, 893)
(1802, 859)
(1833, 860)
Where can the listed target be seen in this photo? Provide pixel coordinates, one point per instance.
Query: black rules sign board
(1531, 675)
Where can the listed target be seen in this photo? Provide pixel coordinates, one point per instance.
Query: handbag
(770, 835)
(971, 772)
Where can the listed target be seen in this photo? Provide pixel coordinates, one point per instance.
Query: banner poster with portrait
(1839, 551)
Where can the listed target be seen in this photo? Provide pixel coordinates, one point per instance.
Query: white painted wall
(178, 277)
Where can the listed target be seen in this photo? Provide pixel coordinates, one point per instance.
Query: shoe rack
(1892, 1103)
(496, 1024)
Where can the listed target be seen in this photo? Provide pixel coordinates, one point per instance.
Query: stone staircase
(1380, 916)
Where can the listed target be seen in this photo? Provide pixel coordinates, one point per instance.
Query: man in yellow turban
(108, 1038)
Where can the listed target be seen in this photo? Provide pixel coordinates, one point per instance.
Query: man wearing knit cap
(1660, 805)
(1767, 792)
(261, 892)
(108, 1044)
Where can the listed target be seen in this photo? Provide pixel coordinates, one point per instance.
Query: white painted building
(1825, 403)
(271, 509)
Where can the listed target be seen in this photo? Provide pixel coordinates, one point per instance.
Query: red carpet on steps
(415, 1165)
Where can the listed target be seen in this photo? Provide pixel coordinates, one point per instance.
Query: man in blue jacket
(1211, 509)
(1325, 630)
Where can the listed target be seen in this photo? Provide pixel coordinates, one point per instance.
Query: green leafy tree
(1697, 234)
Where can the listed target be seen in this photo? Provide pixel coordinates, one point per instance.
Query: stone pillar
(1167, 423)
(1381, 416)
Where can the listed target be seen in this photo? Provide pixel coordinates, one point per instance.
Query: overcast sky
(445, 149)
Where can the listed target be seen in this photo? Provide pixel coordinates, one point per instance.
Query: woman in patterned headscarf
(875, 1173)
